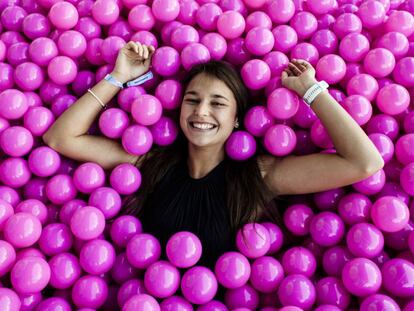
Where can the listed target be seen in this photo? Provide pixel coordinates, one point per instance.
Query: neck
(202, 160)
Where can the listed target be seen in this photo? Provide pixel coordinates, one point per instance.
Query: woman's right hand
(133, 60)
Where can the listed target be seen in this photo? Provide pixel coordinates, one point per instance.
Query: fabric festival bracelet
(138, 81)
(314, 91)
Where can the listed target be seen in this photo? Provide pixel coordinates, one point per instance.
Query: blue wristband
(140, 80)
(111, 79)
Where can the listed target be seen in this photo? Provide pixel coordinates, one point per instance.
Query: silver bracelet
(97, 98)
(314, 91)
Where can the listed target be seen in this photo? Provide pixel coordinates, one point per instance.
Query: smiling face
(208, 111)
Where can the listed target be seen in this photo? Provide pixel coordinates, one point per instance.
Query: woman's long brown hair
(246, 190)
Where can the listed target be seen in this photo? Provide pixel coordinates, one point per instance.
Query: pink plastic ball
(297, 218)
(280, 12)
(240, 145)
(65, 270)
(347, 23)
(110, 48)
(88, 177)
(28, 76)
(353, 47)
(183, 249)
(237, 53)
(30, 275)
(188, 12)
(395, 42)
(105, 12)
(89, 291)
(401, 21)
(400, 99)
(207, 16)
(141, 17)
(97, 257)
(166, 61)
(44, 161)
(259, 41)
(125, 178)
(371, 185)
(169, 93)
(407, 178)
(193, 54)
(54, 303)
(242, 298)
(304, 23)
(72, 43)
(280, 140)
(258, 19)
(107, 200)
(257, 120)
(122, 270)
(127, 95)
(62, 70)
(331, 68)
(361, 277)
(113, 122)
(6, 210)
(326, 228)
(142, 250)
(390, 214)
(365, 240)
(331, 291)
(266, 274)
(55, 238)
(9, 300)
(38, 120)
(289, 107)
(124, 228)
(354, 208)
(216, 45)
(13, 104)
(60, 189)
(199, 285)
(145, 37)
(36, 25)
(379, 301)
(299, 260)
(164, 131)
(22, 230)
(165, 11)
(212, 305)
(14, 172)
(275, 237)
(231, 24)
(63, 15)
(253, 240)
(141, 302)
(297, 290)
(176, 303)
(403, 72)
(256, 74)
(398, 276)
(161, 279)
(137, 139)
(146, 109)
(371, 13)
(87, 223)
(363, 84)
(404, 149)
(379, 62)
(16, 141)
(232, 270)
(359, 108)
(7, 258)
(287, 38)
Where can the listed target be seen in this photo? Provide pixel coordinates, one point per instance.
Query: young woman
(192, 185)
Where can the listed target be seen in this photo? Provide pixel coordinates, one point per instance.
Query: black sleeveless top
(182, 203)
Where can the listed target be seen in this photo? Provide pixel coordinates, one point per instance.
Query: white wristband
(314, 91)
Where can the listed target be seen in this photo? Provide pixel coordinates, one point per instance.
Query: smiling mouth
(202, 126)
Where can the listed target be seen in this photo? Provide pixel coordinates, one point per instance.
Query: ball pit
(64, 243)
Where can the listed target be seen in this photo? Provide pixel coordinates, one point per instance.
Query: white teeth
(203, 126)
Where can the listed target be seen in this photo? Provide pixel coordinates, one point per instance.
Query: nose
(202, 109)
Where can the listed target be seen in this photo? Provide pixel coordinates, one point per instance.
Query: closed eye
(195, 101)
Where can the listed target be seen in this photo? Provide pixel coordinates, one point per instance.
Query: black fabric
(182, 203)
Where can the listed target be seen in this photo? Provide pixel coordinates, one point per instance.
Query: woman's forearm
(349, 139)
(78, 118)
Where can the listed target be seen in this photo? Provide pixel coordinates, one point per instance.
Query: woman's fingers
(146, 52)
(294, 69)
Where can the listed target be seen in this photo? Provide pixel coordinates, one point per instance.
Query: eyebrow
(214, 95)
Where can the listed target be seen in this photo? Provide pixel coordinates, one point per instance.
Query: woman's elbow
(376, 164)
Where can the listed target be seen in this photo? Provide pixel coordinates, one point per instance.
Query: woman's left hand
(298, 76)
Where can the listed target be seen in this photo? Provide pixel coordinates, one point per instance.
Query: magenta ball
(124, 228)
(365, 240)
(56, 238)
(105, 12)
(257, 120)
(42, 50)
(297, 218)
(164, 131)
(244, 297)
(354, 208)
(165, 11)
(359, 108)
(282, 103)
(30, 275)
(287, 38)
(193, 54)
(176, 303)
(87, 223)
(207, 15)
(60, 189)
(113, 122)
(44, 161)
(7, 258)
(331, 291)
(6, 210)
(372, 184)
(216, 45)
(281, 12)
(166, 61)
(63, 15)
(161, 279)
(231, 24)
(65, 270)
(280, 140)
(240, 146)
(137, 139)
(297, 290)
(384, 145)
(275, 237)
(379, 62)
(363, 84)
(390, 214)
(253, 240)
(299, 260)
(141, 302)
(28, 76)
(14, 172)
(13, 104)
(184, 249)
(72, 43)
(129, 289)
(62, 70)
(353, 47)
(259, 41)
(142, 250)
(379, 301)
(146, 109)
(326, 228)
(232, 270)
(395, 42)
(407, 179)
(125, 178)
(97, 257)
(393, 99)
(16, 141)
(266, 274)
(89, 291)
(22, 230)
(122, 270)
(403, 72)
(199, 285)
(361, 277)
(54, 303)
(182, 36)
(169, 93)
(331, 68)
(256, 74)
(107, 200)
(88, 177)
(404, 149)
(398, 276)
(9, 300)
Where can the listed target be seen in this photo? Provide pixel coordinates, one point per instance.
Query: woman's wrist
(120, 77)
(305, 85)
